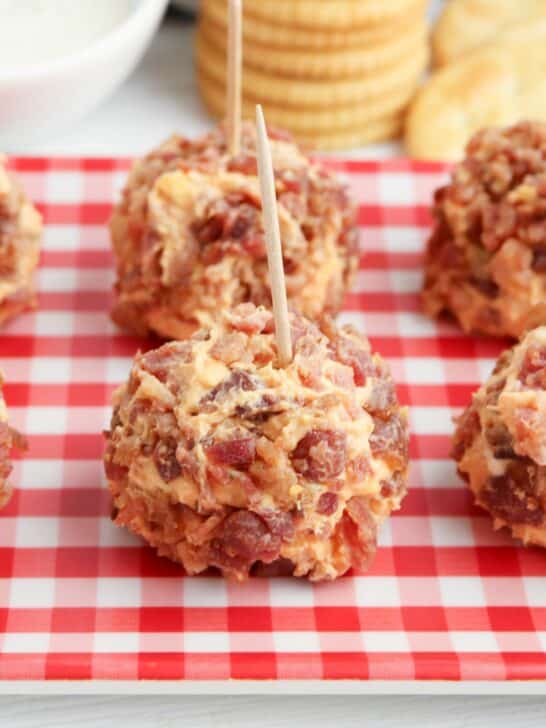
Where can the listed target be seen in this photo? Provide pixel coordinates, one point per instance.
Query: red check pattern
(447, 597)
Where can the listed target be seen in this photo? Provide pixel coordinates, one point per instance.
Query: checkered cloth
(447, 597)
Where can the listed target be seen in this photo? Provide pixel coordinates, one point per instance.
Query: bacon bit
(189, 465)
(327, 503)
(500, 440)
(360, 531)
(246, 317)
(539, 260)
(238, 381)
(392, 487)
(244, 164)
(113, 470)
(159, 361)
(533, 369)
(389, 440)
(245, 538)
(350, 239)
(239, 227)
(357, 357)
(382, 397)
(489, 288)
(255, 246)
(320, 455)
(342, 376)
(5, 448)
(239, 451)
(280, 523)
(165, 460)
(468, 426)
(530, 426)
(210, 230)
(18, 440)
(229, 347)
(298, 329)
(514, 496)
(359, 468)
(493, 390)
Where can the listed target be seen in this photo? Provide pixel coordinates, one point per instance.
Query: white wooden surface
(157, 99)
(260, 712)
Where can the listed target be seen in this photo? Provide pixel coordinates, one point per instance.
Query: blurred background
(145, 68)
(370, 79)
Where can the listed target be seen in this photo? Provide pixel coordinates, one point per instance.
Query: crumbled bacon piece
(245, 538)
(229, 348)
(165, 459)
(237, 451)
(393, 486)
(244, 164)
(514, 496)
(159, 361)
(389, 441)
(359, 359)
(533, 370)
(239, 380)
(499, 439)
(360, 531)
(468, 426)
(210, 230)
(539, 259)
(246, 317)
(327, 503)
(320, 455)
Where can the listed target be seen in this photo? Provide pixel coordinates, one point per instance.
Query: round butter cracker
(321, 63)
(496, 86)
(465, 25)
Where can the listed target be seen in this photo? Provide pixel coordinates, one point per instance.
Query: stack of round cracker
(337, 73)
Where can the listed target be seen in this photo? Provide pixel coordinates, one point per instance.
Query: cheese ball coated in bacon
(500, 442)
(20, 233)
(486, 258)
(219, 457)
(188, 236)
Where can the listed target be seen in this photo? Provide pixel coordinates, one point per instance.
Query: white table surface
(158, 98)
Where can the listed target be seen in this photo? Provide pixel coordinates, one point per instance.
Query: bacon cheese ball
(188, 236)
(500, 441)
(20, 233)
(486, 258)
(219, 457)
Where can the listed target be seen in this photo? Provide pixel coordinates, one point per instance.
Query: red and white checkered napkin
(447, 598)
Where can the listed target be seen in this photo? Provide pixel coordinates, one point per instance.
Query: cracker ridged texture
(497, 86)
(303, 94)
(327, 14)
(332, 119)
(256, 30)
(465, 25)
(379, 130)
(321, 64)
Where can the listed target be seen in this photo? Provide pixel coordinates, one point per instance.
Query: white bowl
(37, 102)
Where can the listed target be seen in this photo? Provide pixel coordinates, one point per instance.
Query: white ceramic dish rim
(102, 45)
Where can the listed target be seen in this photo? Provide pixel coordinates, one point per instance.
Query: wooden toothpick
(273, 240)
(234, 62)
